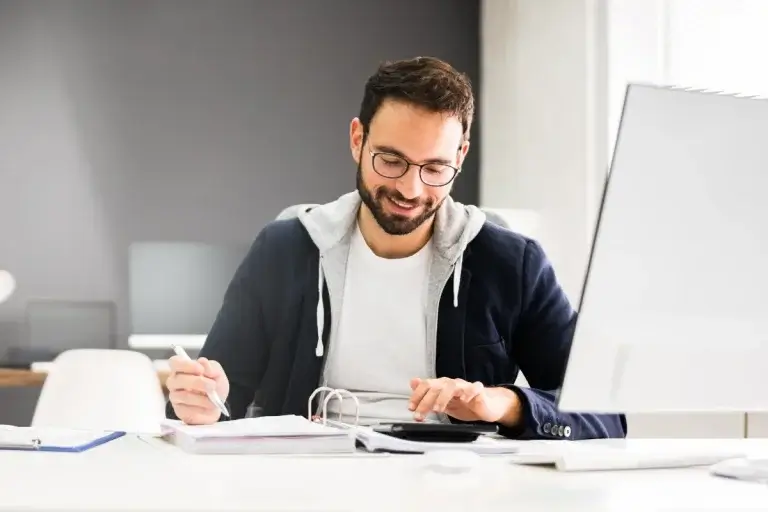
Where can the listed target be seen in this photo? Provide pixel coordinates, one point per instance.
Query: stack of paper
(264, 435)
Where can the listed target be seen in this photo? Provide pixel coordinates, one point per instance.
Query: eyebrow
(393, 151)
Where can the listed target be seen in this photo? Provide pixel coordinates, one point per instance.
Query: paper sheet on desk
(373, 441)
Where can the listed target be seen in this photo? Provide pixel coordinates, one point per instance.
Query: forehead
(416, 132)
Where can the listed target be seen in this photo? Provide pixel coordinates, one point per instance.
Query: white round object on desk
(451, 462)
(7, 285)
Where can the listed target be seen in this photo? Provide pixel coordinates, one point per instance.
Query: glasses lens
(389, 166)
(393, 166)
(437, 175)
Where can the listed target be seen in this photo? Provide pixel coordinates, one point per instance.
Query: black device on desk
(436, 432)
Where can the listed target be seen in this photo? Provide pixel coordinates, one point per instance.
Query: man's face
(401, 133)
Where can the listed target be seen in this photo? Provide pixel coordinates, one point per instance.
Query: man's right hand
(187, 386)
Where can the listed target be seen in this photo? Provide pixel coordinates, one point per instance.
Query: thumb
(415, 383)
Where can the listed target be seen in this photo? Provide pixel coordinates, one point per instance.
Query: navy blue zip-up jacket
(506, 314)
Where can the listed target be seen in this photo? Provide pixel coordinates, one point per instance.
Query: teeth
(401, 205)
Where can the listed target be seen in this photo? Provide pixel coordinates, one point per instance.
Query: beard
(392, 223)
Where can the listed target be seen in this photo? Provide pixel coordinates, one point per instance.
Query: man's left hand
(465, 401)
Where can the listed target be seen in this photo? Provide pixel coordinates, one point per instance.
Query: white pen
(213, 396)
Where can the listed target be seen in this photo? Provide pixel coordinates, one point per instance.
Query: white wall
(42, 155)
(704, 44)
(542, 103)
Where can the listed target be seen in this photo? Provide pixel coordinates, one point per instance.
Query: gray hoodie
(331, 225)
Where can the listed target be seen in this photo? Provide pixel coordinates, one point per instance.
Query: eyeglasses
(392, 166)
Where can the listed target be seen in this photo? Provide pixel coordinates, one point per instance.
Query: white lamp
(7, 285)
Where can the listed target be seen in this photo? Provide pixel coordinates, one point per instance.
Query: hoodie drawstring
(457, 279)
(319, 349)
(320, 310)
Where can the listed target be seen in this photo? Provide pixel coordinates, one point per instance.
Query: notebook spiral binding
(331, 392)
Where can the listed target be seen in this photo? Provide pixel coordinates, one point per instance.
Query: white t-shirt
(381, 340)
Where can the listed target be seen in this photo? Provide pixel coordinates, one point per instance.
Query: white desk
(130, 474)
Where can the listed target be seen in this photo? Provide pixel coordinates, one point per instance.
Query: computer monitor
(177, 289)
(674, 310)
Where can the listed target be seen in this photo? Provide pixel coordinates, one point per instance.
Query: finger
(461, 412)
(190, 399)
(207, 367)
(448, 393)
(180, 364)
(415, 383)
(195, 415)
(427, 403)
(471, 391)
(418, 394)
(178, 382)
(213, 369)
(187, 382)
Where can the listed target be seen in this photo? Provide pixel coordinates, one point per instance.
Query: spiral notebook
(53, 439)
(291, 434)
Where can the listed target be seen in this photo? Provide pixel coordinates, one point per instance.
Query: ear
(356, 132)
(463, 153)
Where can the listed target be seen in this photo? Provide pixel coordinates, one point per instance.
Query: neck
(385, 245)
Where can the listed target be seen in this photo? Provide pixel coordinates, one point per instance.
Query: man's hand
(465, 401)
(187, 386)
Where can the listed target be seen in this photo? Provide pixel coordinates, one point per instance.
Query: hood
(330, 224)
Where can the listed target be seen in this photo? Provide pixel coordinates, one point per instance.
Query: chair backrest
(100, 389)
(524, 222)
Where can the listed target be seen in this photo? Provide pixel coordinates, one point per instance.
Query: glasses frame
(409, 164)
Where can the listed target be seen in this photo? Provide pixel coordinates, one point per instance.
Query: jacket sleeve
(541, 343)
(237, 339)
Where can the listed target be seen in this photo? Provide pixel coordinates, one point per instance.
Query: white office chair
(524, 222)
(101, 389)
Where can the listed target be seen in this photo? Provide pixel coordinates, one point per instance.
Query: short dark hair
(427, 82)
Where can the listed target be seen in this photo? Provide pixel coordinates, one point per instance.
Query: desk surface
(134, 474)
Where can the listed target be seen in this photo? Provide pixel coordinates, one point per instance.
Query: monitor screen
(177, 288)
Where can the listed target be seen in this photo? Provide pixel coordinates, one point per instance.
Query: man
(411, 301)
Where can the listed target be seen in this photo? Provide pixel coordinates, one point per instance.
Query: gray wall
(182, 120)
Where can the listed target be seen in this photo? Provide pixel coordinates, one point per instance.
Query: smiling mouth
(402, 206)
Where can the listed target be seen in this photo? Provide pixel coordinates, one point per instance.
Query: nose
(410, 184)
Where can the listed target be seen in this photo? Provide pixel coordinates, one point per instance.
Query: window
(702, 44)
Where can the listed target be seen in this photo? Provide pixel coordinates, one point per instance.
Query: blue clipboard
(36, 443)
